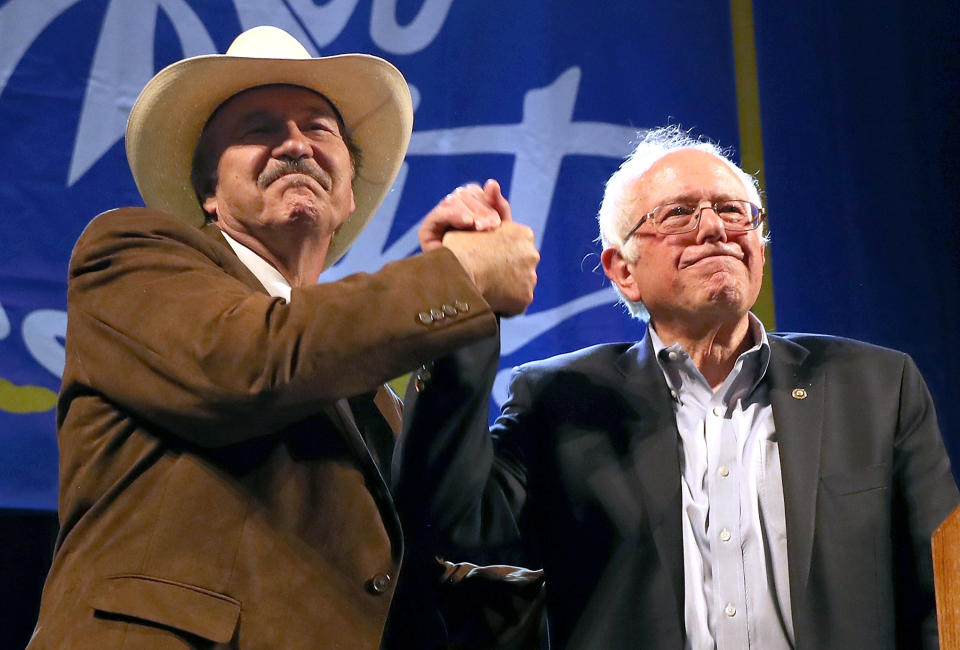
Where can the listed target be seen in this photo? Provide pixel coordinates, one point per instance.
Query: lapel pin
(799, 393)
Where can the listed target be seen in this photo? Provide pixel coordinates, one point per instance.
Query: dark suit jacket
(217, 489)
(583, 467)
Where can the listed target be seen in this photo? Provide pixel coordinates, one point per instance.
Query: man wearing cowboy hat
(225, 438)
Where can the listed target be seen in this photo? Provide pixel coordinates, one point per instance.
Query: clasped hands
(498, 254)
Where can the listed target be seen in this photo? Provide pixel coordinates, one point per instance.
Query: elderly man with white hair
(712, 485)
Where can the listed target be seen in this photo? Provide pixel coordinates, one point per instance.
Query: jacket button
(449, 310)
(425, 317)
(461, 306)
(380, 583)
(437, 314)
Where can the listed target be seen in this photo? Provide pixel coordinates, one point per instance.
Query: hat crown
(267, 42)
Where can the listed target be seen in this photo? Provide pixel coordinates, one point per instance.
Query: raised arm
(203, 354)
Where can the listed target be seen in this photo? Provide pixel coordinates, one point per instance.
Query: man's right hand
(498, 254)
(501, 262)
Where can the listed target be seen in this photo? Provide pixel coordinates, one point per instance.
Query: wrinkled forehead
(688, 175)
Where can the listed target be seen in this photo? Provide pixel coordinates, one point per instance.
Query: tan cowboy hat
(168, 116)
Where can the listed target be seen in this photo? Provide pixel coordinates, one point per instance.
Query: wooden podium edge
(945, 548)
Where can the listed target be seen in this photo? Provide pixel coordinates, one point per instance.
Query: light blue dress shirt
(736, 585)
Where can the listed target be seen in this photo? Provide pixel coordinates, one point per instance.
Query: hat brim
(166, 121)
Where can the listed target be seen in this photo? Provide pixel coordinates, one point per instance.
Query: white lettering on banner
(42, 332)
(539, 143)
(546, 134)
(123, 63)
(397, 39)
(323, 22)
(21, 21)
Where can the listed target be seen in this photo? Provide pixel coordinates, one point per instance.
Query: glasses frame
(758, 219)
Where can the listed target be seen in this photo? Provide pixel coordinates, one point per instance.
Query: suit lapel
(655, 455)
(796, 394)
(375, 481)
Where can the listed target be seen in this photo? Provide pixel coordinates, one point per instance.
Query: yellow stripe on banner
(25, 399)
(751, 135)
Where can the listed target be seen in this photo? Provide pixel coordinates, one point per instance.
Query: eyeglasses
(677, 218)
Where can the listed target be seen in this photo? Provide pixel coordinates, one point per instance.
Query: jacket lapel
(797, 394)
(655, 455)
(375, 481)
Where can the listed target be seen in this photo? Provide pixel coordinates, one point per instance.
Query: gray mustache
(298, 166)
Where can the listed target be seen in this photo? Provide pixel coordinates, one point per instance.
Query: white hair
(616, 216)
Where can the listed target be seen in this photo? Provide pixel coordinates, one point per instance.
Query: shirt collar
(752, 364)
(271, 279)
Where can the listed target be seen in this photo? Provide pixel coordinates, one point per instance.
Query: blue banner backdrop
(545, 96)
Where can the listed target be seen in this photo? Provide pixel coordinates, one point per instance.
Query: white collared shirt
(271, 279)
(736, 585)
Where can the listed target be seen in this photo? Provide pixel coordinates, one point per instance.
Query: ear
(210, 204)
(621, 273)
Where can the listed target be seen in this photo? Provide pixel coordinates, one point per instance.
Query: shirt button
(672, 355)
(730, 610)
(724, 471)
(725, 535)
(673, 394)
(718, 410)
(380, 583)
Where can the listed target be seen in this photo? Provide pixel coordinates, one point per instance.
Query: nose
(711, 225)
(295, 144)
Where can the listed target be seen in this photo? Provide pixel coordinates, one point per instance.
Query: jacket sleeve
(158, 327)
(461, 486)
(461, 493)
(924, 494)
